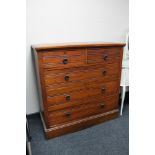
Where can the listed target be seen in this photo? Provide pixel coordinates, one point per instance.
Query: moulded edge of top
(41, 47)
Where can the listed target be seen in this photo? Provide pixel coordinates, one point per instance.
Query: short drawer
(103, 55)
(79, 74)
(64, 58)
(94, 90)
(82, 111)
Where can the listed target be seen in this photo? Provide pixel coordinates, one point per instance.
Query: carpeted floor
(109, 138)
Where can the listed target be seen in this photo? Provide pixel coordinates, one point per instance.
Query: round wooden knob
(104, 72)
(68, 98)
(102, 105)
(66, 78)
(68, 114)
(103, 90)
(65, 61)
(105, 56)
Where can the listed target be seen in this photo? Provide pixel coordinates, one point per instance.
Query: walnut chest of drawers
(78, 85)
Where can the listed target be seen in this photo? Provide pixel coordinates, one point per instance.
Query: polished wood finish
(61, 59)
(90, 90)
(80, 124)
(75, 45)
(81, 111)
(78, 84)
(81, 74)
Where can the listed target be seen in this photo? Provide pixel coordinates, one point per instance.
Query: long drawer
(93, 90)
(70, 75)
(60, 59)
(60, 106)
(82, 111)
(94, 85)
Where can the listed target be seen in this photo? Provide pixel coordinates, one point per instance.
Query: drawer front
(64, 58)
(63, 88)
(93, 90)
(94, 84)
(103, 55)
(60, 106)
(71, 75)
(82, 111)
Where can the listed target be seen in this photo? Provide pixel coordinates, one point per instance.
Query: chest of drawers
(78, 85)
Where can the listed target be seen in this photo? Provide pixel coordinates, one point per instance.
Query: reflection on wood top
(40, 47)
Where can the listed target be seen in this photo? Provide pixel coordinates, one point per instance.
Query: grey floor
(109, 138)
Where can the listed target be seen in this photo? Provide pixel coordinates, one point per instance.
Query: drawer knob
(102, 105)
(105, 56)
(103, 90)
(66, 78)
(104, 72)
(65, 61)
(68, 114)
(68, 98)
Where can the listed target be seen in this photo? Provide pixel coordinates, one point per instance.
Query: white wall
(59, 21)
